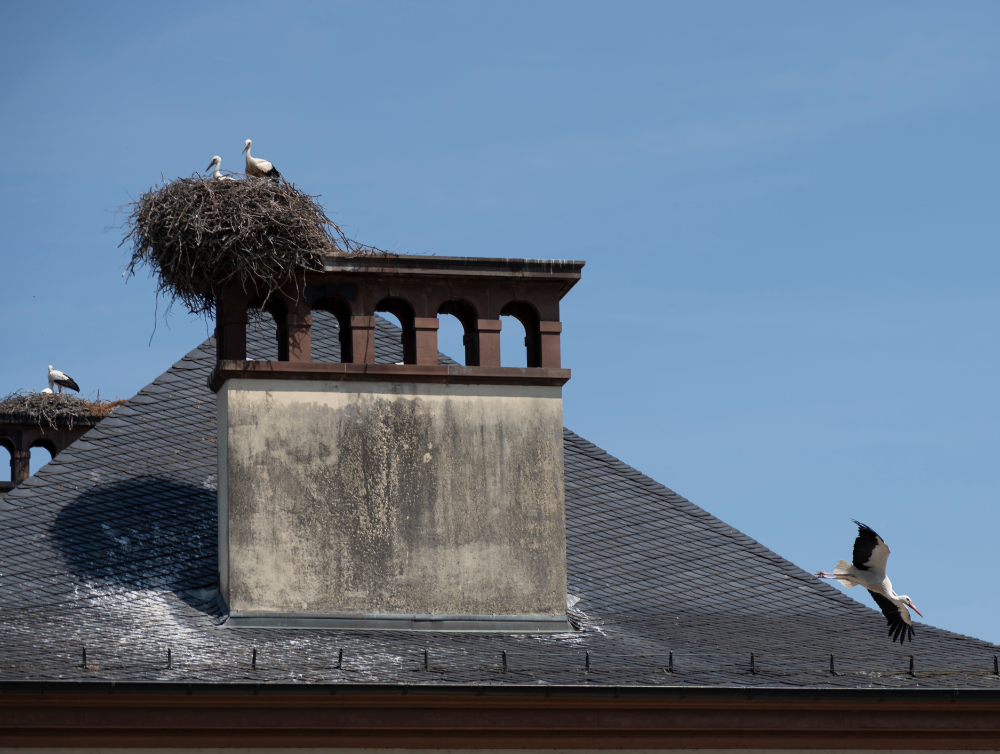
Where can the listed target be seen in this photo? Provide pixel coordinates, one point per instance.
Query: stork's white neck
(899, 599)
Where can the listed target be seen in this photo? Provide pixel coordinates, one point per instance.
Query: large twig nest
(54, 409)
(197, 234)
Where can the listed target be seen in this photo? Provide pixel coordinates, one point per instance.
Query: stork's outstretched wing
(897, 617)
(870, 550)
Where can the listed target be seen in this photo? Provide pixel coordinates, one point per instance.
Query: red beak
(914, 609)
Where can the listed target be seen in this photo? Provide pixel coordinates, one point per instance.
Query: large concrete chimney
(405, 496)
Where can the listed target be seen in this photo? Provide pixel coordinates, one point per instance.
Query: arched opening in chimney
(466, 314)
(402, 316)
(6, 460)
(450, 335)
(272, 325)
(39, 459)
(526, 314)
(341, 310)
(512, 337)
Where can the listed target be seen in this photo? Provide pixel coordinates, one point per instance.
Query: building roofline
(707, 693)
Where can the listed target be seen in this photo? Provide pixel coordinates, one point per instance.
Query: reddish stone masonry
(20, 435)
(416, 289)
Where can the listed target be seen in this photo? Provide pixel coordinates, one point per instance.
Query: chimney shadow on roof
(145, 534)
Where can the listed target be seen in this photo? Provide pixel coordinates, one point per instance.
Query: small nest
(197, 234)
(58, 410)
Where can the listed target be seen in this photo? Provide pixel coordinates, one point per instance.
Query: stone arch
(403, 311)
(274, 306)
(340, 309)
(465, 313)
(49, 445)
(527, 315)
(8, 445)
(45, 444)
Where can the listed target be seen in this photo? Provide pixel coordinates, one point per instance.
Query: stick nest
(197, 234)
(55, 409)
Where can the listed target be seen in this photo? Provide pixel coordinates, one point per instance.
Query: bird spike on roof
(194, 234)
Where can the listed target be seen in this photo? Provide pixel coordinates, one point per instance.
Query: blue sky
(788, 213)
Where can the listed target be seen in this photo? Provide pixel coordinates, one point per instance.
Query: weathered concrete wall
(386, 498)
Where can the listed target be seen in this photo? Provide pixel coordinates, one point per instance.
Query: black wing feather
(273, 173)
(898, 628)
(864, 546)
(69, 382)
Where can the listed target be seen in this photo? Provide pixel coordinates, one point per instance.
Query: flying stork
(217, 161)
(62, 380)
(870, 556)
(259, 168)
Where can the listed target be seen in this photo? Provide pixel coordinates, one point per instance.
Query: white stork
(870, 556)
(47, 391)
(217, 162)
(62, 380)
(259, 168)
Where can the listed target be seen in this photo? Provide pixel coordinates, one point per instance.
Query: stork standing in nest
(61, 379)
(259, 168)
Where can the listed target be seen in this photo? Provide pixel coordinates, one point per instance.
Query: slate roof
(112, 547)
